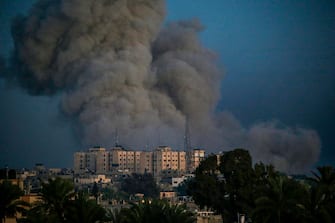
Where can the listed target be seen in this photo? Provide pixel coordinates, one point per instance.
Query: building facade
(125, 161)
(96, 160)
(164, 158)
(99, 160)
(194, 157)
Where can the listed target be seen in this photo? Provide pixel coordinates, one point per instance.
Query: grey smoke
(118, 67)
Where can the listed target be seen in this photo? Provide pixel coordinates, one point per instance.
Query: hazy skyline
(277, 59)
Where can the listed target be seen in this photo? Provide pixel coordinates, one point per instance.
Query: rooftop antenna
(187, 138)
(159, 136)
(116, 137)
(187, 145)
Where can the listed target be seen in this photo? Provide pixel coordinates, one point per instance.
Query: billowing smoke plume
(119, 69)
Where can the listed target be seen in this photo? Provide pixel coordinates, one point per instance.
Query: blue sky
(278, 59)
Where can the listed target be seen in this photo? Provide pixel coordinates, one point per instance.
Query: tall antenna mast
(187, 145)
(187, 138)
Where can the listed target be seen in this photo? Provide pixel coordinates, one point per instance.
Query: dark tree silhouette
(83, 210)
(56, 194)
(325, 181)
(281, 201)
(140, 183)
(205, 188)
(157, 211)
(9, 200)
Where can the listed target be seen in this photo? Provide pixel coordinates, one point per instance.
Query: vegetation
(83, 210)
(233, 186)
(155, 211)
(140, 183)
(280, 201)
(59, 203)
(9, 200)
(112, 193)
(181, 190)
(228, 184)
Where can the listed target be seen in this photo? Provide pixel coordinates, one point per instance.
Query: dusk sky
(278, 65)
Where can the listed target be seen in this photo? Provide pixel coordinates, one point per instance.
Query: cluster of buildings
(107, 168)
(99, 160)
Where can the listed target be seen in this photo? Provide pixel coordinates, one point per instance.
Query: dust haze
(120, 68)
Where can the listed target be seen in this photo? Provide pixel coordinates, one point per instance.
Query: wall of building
(118, 160)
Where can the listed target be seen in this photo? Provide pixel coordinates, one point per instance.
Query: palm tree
(59, 203)
(154, 211)
(39, 214)
(83, 210)
(315, 208)
(9, 200)
(116, 216)
(178, 214)
(325, 180)
(55, 195)
(280, 201)
(321, 200)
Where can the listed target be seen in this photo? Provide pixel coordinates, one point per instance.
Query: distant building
(195, 156)
(90, 179)
(99, 160)
(96, 160)
(146, 163)
(79, 162)
(167, 195)
(176, 181)
(164, 158)
(125, 161)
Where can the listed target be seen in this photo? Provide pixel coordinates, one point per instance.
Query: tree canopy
(9, 200)
(230, 184)
(156, 211)
(140, 183)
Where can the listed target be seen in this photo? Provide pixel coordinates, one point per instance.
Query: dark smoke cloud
(117, 68)
(289, 149)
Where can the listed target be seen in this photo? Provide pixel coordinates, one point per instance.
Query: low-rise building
(176, 181)
(90, 179)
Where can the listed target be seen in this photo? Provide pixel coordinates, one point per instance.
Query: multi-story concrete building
(79, 162)
(95, 160)
(98, 160)
(164, 158)
(137, 161)
(194, 157)
(126, 161)
(146, 164)
(101, 160)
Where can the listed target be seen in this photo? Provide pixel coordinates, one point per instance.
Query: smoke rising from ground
(118, 68)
